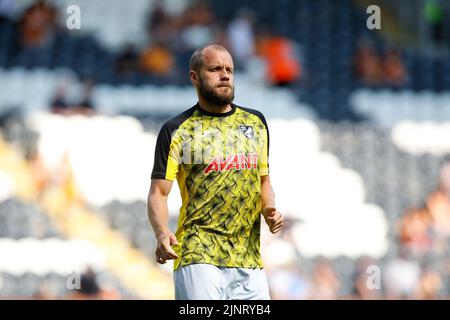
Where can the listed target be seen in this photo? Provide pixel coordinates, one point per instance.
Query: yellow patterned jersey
(218, 160)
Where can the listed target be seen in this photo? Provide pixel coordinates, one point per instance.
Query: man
(218, 152)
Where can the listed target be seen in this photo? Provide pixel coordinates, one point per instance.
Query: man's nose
(224, 76)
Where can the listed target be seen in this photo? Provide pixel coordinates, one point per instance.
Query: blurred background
(360, 141)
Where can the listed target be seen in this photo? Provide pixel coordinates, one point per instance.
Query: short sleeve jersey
(218, 160)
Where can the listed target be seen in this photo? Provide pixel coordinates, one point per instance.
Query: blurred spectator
(63, 177)
(37, 24)
(428, 228)
(84, 105)
(127, 61)
(429, 286)
(283, 67)
(59, 102)
(157, 59)
(367, 64)
(91, 290)
(438, 204)
(375, 70)
(43, 292)
(401, 277)
(415, 231)
(393, 69)
(40, 174)
(158, 21)
(88, 283)
(241, 38)
(199, 13)
(197, 28)
(325, 283)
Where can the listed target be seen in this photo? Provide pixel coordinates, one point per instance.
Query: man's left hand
(273, 218)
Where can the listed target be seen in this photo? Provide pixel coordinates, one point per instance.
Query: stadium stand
(368, 116)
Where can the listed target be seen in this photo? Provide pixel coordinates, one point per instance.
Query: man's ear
(193, 77)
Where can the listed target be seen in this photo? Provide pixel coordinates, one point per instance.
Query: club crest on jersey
(247, 131)
(233, 162)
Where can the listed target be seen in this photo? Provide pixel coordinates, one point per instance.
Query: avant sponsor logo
(233, 162)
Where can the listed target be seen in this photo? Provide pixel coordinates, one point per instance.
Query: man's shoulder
(175, 122)
(255, 112)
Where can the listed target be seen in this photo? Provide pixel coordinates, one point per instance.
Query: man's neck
(213, 108)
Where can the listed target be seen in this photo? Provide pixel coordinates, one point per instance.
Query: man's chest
(231, 144)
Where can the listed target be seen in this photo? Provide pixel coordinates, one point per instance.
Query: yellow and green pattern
(218, 160)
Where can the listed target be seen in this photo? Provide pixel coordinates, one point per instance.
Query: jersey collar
(216, 114)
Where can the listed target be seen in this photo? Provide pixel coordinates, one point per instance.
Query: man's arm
(158, 215)
(271, 215)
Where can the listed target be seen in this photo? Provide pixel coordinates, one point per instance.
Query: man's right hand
(164, 251)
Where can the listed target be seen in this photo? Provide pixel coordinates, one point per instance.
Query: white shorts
(208, 282)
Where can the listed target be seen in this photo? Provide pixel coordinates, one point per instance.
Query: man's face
(215, 78)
